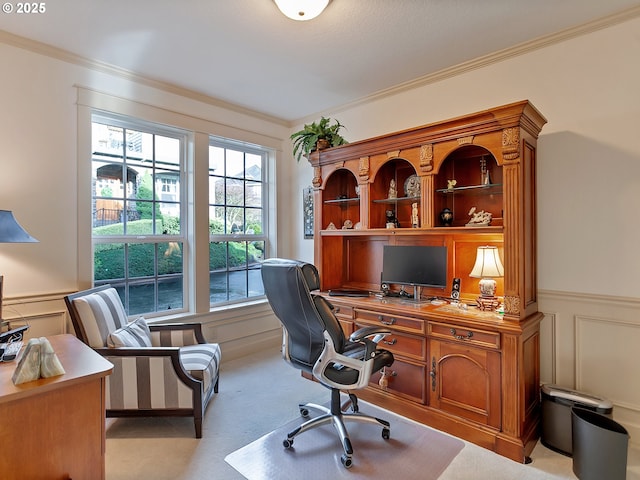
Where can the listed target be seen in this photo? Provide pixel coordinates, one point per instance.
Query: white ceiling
(247, 53)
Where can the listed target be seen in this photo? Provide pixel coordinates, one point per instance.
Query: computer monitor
(417, 265)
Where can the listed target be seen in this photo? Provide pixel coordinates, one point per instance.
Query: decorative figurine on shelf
(451, 184)
(348, 225)
(415, 222)
(393, 191)
(485, 179)
(392, 221)
(479, 219)
(331, 226)
(412, 186)
(446, 217)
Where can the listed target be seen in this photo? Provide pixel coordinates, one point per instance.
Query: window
(237, 220)
(138, 228)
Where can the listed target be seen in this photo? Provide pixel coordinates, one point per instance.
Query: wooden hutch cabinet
(472, 373)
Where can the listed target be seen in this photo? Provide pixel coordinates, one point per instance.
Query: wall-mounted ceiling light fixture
(302, 9)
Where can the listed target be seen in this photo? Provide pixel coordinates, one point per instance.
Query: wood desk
(54, 428)
(470, 373)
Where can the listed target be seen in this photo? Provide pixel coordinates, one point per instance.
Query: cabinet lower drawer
(404, 344)
(473, 336)
(405, 379)
(397, 322)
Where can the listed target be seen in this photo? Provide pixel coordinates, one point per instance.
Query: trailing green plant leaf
(305, 140)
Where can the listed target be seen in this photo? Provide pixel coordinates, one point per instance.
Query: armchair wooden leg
(198, 423)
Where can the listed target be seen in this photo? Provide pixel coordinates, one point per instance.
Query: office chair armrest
(329, 356)
(361, 336)
(364, 332)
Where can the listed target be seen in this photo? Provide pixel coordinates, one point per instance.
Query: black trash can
(599, 446)
(557, 402)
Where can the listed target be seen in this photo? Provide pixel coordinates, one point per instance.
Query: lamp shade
(11, 231)
(302, 9)
(488, 263)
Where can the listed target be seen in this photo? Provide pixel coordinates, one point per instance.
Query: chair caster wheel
(386, 433)
(287, 443)
(304, 413)
(346, 461)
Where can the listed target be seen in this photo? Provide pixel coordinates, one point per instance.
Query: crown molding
(480, 62)
(96, 65)
(489, 59)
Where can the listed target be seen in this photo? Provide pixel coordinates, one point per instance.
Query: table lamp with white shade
(488, 266)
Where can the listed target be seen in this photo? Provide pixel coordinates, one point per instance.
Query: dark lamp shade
(11, 231)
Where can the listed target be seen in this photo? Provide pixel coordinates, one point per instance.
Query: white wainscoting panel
(594, 347)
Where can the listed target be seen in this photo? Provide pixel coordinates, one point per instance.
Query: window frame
(229, 237)
(164, 110)
(155, 239)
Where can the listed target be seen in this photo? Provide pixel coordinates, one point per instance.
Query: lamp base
(487, 303)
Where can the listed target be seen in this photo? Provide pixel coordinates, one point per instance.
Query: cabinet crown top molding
(518, 114)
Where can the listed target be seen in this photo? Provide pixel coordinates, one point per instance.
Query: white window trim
(89, 101)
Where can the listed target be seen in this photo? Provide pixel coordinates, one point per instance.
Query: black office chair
(313, 341)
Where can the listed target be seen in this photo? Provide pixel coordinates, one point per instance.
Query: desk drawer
(411, 346)
(405, 379)
(395, 322)
(343, 311)
(456, 333)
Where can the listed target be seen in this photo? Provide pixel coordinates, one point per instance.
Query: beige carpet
(316, 453)
(260, 392)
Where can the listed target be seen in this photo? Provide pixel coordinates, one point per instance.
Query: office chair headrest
(309, 271)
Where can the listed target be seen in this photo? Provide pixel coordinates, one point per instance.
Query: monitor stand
(416, 293)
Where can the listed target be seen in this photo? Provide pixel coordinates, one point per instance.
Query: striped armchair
(164, 369)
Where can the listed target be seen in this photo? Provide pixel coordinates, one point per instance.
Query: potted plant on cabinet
(317, 136)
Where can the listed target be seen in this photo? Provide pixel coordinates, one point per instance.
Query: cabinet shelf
(343, 201)
(408, 231)
(398, 200)
(480, 188)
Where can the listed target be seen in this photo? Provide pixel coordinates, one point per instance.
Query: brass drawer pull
(433, 374)
(461, 337)
(392, 321)
(390, 342)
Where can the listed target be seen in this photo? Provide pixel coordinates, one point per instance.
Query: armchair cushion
(202, 361)
(101, 312)
(134, 334)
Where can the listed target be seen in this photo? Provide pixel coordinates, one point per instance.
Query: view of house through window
(138, 236)
(139, 198)
(236, 221)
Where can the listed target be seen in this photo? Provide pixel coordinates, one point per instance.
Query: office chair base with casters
(337, 415)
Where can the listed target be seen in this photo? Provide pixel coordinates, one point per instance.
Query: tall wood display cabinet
(469, 372)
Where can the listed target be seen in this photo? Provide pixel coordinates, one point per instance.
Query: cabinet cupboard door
(405, 379)
(465, 381)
